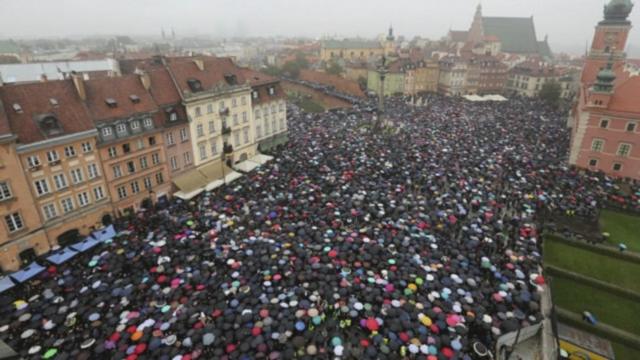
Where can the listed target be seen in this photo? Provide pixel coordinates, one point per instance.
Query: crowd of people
(419, 242)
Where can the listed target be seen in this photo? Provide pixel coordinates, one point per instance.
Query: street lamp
(382, 72)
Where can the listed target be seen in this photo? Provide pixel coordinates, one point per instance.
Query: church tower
(476, 32)
(609, 40)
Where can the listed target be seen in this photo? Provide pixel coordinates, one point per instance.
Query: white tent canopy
(485, 98)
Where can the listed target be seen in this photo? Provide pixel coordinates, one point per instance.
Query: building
(58, 70)
(421, 77)
(452, 79)
(604, 134)
(130, 140)
(394, 80)
(352, 50)
(53, 166)
(512, 35)
(527, 78)
(338, 83)
(491, 74)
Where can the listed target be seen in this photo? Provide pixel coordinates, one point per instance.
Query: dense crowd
(417, 242)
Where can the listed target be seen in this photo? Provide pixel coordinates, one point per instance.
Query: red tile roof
(163, 90)
(34, 100)
(625, 97)
(5, 129)
(119, 89)
(340, 84)
(184, 69)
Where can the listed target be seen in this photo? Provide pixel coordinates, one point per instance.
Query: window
(197, 111)
(597, 145)
(212, 127)
(83, 199)
(604, 123)
(92, 169)
(135, 188)
(617, 167)
(183, 135)
(200, 130)
(236, 138)
(5, 191)
(272, 90)
(42, 187)
(116, 171)
(126, 148)
(76, 176)
(121, 129)
(106, 131)
(52, 156)
(67, 205)
(234, 102)
(281, 106)
(170, 140)
(60, 181)
(147, 183)
(140, 144)
(281, 123)
(258, 131)
(14, 222)
(159, 178)
(631, 127)
(221, 105)
(87, 147)
(33, 161)
(209, 108)
(135, 125)
(254, 94)
(173, 116)
(113, 152)
(258, 114)
(152, 140)
(273, 109)
(235, 119)
(593, 162)
(143, 162)
(203, 151)
(245, 119)
(243, 100)
(122, 192)
(214, 147)
(155, 159)
(273, 125)
(624, 149)
(245, 132)
(49, 211)
(131, 167)
(187, 158)
(148, 123)
(174, 163)
(98, 193)
(266, 127)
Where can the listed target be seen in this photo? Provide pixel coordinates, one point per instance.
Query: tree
(292, 68)
(334, 68)
(362, 81)
(550, 92)
(273, 71)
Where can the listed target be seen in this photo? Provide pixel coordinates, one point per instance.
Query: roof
(119, 89)
(350, 44)
(34, 99)
(5, 129)
(458, 35)
(544, 49)
(184, 69)
(256, 77)
(517, 35)
(340, 84)
(32, 72)
(625, 96)
(9, 47)
(162, 89)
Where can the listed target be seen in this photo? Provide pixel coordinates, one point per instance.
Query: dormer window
(49, 125)
(121, 129)
(272, 90)
(231, 79)
(173, 116)
(111, 102)
(17, 108)
(134, 98)
(195, 85)
(135, 125)
(254, 94)
(106, 131)
(53, 102)
(148, 123)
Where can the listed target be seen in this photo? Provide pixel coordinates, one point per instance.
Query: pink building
(605, 119)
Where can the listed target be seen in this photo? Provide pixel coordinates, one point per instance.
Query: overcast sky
(569, 23)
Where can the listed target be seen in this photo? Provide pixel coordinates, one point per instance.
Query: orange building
(605, 119)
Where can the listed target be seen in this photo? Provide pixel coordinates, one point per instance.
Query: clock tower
(609, 40)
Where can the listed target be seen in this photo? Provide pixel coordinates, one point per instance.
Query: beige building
(352, 50)
(452, 79)
(527, 78)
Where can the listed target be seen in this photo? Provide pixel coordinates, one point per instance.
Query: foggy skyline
(568, 23)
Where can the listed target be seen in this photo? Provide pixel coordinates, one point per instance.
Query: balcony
(226, 130)
(227, 148)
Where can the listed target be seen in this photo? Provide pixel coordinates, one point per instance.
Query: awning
(188, 195)
(6, 284)
(261, 158)
(105, 234)
(27, 273)
(191, 182)
(246, 166)
(61, 256)
(214, 171)
(85, 244)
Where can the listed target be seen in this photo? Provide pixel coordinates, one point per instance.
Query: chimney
(78, 81)
(199, 63)
(145, 80)
(43, 78)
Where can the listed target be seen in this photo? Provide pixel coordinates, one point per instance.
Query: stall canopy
(27, 273)
(190, 184)
(85, 244)
(61, 256)
(6, 284)
(214, 173)
(253, 162)
(104, 234)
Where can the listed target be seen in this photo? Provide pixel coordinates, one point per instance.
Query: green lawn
(601, 267)
(623, 228)
(311, 106)
(623, 352)
(607, 308)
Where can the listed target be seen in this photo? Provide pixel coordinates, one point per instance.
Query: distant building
(34, 72)
(605, 119)
(357, 49)
(452, 79)
(527, 78)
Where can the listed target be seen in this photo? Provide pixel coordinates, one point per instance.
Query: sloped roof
(517, 35)
(162, 89)
(5, 129)
(184, 69)
(119, 89)
(458, 35)
(34, 100)
(340, 84)
(625, 96)
(350, 44)
(544, 49)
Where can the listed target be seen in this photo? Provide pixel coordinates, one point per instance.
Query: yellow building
(351, 50)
